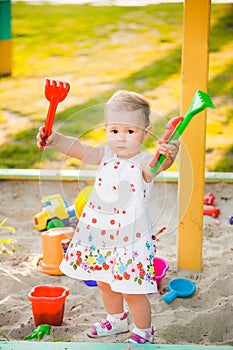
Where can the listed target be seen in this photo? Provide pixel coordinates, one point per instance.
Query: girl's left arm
(169, 151)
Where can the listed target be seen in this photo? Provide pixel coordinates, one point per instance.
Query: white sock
(146, 330)
(118, 316)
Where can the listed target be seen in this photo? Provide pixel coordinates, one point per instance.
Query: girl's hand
(169, 150)
(51, 140)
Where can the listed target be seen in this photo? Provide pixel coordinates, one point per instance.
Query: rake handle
(175, 136)
(170, 129)
(177, 133)
(47, 130)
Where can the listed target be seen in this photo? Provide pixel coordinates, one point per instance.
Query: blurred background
(98, 48)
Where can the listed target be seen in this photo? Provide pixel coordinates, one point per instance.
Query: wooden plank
(47, 174)
(192, 155)
(89, 175)
(6, 60)
(25, 345)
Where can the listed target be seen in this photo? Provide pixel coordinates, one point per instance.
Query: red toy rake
(55, 92)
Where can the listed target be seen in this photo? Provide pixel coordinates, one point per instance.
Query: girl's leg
(116, 321)
(113, 301)
(140, 308)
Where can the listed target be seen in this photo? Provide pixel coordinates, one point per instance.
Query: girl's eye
(130, 131)
(114, 131)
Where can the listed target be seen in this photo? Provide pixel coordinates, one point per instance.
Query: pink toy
(211, 211)
(209, 198)
(161, 266)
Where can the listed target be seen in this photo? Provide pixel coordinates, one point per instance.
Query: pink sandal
(109, 326)
(141, 337)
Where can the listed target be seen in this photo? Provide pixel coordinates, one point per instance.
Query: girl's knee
(104, 287)
(131, 297)
(134, 298)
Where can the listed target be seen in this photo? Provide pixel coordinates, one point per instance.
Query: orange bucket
(48, 304)
(52, 241)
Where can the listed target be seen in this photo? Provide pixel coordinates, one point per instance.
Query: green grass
(99, 50)
(226, 162)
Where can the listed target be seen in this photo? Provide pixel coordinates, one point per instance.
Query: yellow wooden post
(192, 156)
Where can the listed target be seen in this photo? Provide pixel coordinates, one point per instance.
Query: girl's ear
(147, 131)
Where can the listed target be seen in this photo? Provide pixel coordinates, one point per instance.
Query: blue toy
(90, 283)
(179, 287)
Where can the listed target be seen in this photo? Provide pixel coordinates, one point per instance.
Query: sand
(204, 318)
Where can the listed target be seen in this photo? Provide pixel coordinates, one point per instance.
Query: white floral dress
(114, 241)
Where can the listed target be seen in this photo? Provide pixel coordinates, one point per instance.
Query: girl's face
(126, 131)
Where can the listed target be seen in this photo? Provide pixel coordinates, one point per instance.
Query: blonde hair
(129, 101)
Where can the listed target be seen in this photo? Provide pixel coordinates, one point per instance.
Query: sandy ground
(204, 318)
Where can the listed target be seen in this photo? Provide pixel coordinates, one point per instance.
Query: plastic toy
(90, 283)
(211, 211)
(161, 266)
(39, 332)
(209, 208)
(209, 198)
(82, 199)
(170, 128)
(200, 101)
(48, 303)
(53, 249)
(55, 213)
(55, 92)
(179, 287)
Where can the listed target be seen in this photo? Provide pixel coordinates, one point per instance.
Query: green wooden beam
(25, 345)
(5, 19)
(5, 38)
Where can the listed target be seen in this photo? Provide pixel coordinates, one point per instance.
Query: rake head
(56, 90)
(200, 101)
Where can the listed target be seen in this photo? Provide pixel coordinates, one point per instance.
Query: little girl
(114, 242)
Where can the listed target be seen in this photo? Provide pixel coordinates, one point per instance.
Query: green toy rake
(200, 101)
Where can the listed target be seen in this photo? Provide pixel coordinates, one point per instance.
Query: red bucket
(48, 304)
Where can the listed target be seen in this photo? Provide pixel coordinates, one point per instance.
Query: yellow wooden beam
(6, 57)
(195, 59)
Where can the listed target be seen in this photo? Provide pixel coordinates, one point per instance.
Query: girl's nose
(121, 136)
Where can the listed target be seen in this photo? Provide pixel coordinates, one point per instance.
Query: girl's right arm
(72, 147)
